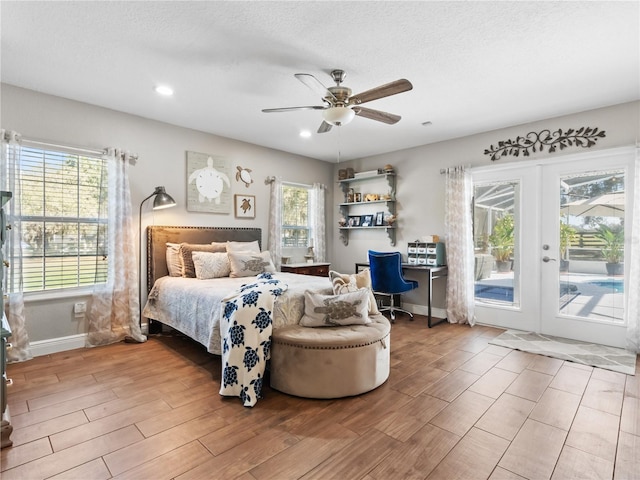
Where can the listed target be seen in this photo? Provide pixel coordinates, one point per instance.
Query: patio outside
(591, 268)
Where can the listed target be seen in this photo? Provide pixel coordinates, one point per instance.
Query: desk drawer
(316, 270)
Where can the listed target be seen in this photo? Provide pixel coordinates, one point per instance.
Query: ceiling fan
(340, 106)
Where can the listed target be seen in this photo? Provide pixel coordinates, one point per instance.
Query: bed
(193, 306)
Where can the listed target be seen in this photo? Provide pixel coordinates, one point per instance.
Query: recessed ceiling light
(164, 90)
(305, 133)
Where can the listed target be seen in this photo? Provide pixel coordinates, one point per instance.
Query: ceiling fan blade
(324, 127)
(314, 84)
(383, 117)
(291, 109)
(382, 91)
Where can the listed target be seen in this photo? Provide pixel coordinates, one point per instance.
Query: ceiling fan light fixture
(338, 115)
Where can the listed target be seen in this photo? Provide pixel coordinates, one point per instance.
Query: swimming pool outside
(596, 297)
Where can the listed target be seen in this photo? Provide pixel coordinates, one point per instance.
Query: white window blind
(64, 207)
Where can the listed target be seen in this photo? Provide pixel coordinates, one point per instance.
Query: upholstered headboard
(158, 236)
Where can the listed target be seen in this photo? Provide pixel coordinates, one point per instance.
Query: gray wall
(161, 149)
(420, 186)
(162, 161)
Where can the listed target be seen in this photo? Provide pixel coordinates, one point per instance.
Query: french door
(550, 243)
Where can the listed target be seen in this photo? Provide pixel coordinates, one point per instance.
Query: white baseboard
(55, 345)
(62, 344)
(424, 310)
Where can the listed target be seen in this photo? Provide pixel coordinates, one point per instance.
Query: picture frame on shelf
(245, 206)
(367, 221)
(379, 221)
(357, 197)
(354, 221)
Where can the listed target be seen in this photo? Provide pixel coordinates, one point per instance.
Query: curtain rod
(269, 180)
(133, 157)
(67, 147)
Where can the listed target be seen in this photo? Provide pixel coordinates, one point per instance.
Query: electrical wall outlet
(80, 307)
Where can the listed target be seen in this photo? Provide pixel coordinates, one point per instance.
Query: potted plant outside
(501, 242)
(567, 235)
(613, 249)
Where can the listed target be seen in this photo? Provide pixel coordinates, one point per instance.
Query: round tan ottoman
(330, 362)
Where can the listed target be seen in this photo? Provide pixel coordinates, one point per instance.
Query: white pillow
(174, 260)
(236, 247)
(343, 283)
(336, 310)
(186, 250)
(222, 246)
(211, 264)
(247, 264)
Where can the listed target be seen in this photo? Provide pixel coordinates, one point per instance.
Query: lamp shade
(338, 115)
(163, 199)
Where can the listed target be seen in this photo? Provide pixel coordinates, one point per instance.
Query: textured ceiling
(475, 66)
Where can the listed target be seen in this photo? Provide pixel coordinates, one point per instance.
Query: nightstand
(317, 269)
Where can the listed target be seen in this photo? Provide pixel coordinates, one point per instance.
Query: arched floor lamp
(162, 200)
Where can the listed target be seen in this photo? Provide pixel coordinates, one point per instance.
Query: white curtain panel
(12, 281)
(114, 313)
(633, 297)
(459, 245)
(274, 240)
(317, 221)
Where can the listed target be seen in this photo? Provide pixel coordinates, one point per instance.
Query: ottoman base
(330, 362)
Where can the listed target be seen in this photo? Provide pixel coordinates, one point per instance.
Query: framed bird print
(208, 184)
(245, 206)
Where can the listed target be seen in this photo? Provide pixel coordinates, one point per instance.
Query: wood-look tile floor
(453, 407)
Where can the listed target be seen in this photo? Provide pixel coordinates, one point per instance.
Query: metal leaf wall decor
(535, 142)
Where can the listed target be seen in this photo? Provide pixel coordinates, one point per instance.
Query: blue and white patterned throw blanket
(245, 329)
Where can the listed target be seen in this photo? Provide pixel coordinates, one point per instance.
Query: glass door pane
(591, 239)
(496, 259)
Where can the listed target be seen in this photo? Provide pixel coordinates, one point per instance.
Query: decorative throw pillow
(186, 249)
(221, 245)
(211, 264)
(247, 264)
(335, 310)
(174, 260)
(236, 247)
(343, 283)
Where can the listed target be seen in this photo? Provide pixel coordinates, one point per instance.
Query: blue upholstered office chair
(386, 278)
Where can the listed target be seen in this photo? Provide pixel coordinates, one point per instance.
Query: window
(295, 215)
(64, 208)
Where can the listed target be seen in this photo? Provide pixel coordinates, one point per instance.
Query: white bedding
(194, 306)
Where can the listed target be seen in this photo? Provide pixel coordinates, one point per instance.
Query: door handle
(546, 259)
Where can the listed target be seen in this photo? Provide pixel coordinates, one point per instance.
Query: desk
(432, 274)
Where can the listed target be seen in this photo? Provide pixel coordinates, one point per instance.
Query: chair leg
(392, 315)
(383, 309)
(392, 309)
(397, 309)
